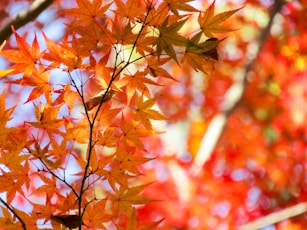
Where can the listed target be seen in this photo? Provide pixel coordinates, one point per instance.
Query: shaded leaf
(168, 37)
(101, 98)
(69, 221)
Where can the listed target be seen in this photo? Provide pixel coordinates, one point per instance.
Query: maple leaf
(69, 55)
(132, 223)
(105, 75)
(67, 96)
(12, 223)
(4, 73)
(11, 184)
(98, 99)
(39, 79)
(76, 132)
(154, 68)
(12, 159)
(5, 114)
(137, 81)
(25, 58)
(131, 9)
(107, 115)
(87, 11)
(201, 54)
(96, 163)
(129, 161)
(107, 138)
(180, 5)
(69, 221)
(156, 16)
(94, 36)
(123, 34)
(210, 23)
(46, 116)
(131, 133)
(94, 219)
(6, 220)
(127, 197)
(144, 113)
(115, 177)
(43, 154)
(59, 150)
(206, 48)
(168, 37)
(49, 186)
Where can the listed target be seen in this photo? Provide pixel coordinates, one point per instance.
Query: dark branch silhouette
(23, 17)
(23, 225)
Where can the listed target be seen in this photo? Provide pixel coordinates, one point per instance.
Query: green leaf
(168, 37)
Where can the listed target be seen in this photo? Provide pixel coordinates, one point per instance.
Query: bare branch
(24, 17)
(276, 217)
(232, 98)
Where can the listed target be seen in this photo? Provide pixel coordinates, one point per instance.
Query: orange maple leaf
(131, 133)
(128, 160)
(4, 73)
(86, 12)
(108, 137)
(144, 113)
(154, 68)
(67, 96)
(132, 223)
(210, 23)
(137, 81)
(64, 53)
(5, 114)
(26, 57)
(107, 115)
(123, 33)
(180, 5)
(47, 118)
(115, 177)
(39, 79)
(93, 219)
(125, 198)
(130, 9)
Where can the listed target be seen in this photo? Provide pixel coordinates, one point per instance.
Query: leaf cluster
(114, 55)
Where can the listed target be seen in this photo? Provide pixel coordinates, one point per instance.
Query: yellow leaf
(210, 23)
(4, 73)
(144, 113)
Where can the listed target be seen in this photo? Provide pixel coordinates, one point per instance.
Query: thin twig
(115, 75)
(14, 213)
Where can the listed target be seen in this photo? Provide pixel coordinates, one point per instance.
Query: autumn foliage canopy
(146, 114)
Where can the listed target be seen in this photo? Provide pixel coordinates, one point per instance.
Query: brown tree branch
(24, 17)
(232, 98)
